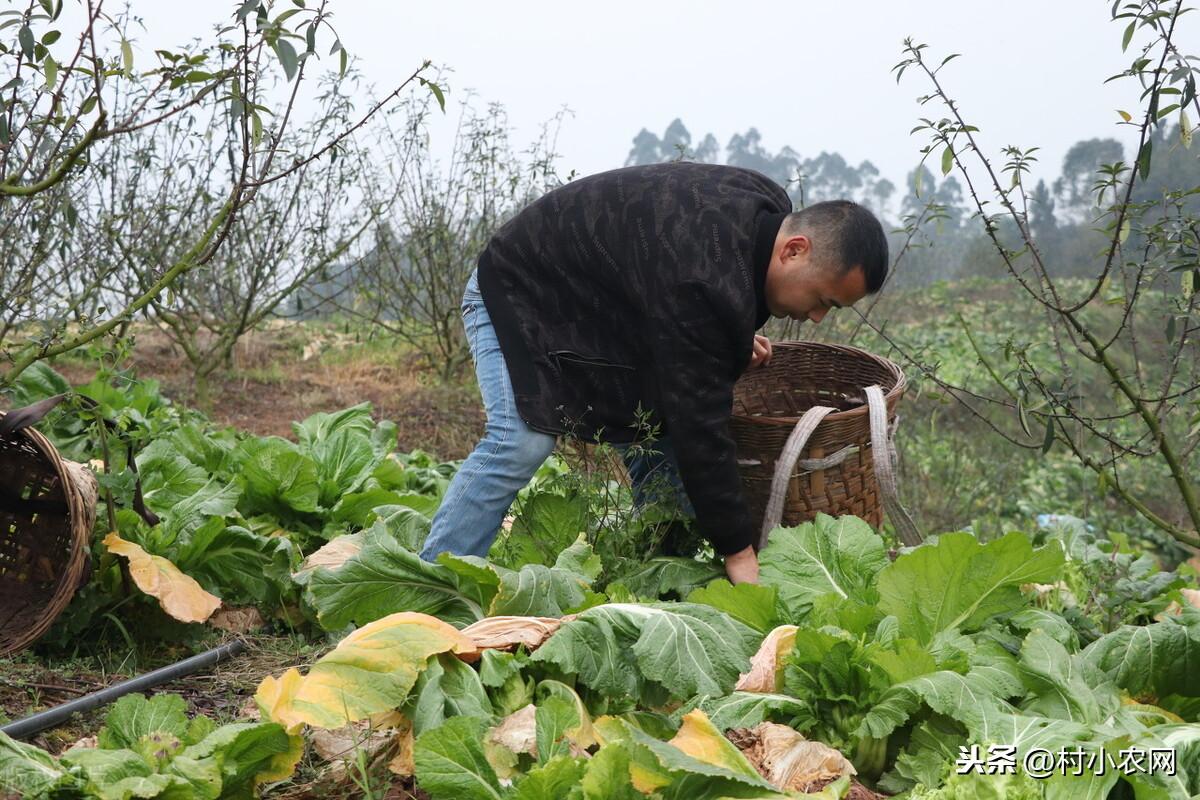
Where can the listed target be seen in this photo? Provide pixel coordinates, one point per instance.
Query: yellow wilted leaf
(402, 763)
(764, 674)
(701, 740)
(178, 594)
(274, 698)
(370, 671)
(282, 765)
(646, 780)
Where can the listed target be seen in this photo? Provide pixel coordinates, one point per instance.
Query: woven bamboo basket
(47, 509)
(770, 399)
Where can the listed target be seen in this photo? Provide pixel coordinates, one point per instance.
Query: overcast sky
(815, 76)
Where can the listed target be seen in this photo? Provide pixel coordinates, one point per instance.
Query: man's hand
(742, 566)
(761, 353)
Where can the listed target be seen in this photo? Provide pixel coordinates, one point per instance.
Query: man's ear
(798, 245)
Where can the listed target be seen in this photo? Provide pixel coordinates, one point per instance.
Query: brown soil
(272, 383)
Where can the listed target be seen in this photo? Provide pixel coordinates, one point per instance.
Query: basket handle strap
(884, 457)
(784, 466)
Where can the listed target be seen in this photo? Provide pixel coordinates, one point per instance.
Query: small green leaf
(1185, 130)
(50, 37)
(88, 104)
(245, 9)
(947, 160)
(127, 58)
(1022, 419)
(1124, 115)
(1170, 328)
(287, 57)
(437, 93)
(1123, 234)
(1128, 35)
(1162, 112)
(48, 5)
(345, 60)
(25, 37)
(1144, 160)
(51, 67)
(1048, 441)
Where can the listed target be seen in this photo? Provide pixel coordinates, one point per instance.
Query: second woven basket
(47, 509)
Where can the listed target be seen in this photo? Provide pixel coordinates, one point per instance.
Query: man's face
(801, 288)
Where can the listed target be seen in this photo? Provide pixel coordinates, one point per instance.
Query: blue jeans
(510, 452)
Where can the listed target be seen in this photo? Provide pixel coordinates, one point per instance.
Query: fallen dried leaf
(343, 743)
(505, 633)
(177, 593)
(402, 763)
(249, 710)
(331, 555)
(517, 732)
(242, 619)
(789, 761)
(764, 674)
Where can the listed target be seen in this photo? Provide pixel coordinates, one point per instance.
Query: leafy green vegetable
(747, 709)
(279, 479)
(686, 648)
(958, 584)
(134, 716)
(450, 763)
(447, 688)
(236, 564)
(826, 556)
(29, 771)
(675, 775)
(148, 748)
(383, 578)
(1158, 659)
(670, 575)
(753, 604)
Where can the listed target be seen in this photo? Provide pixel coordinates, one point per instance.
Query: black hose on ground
(23, 728)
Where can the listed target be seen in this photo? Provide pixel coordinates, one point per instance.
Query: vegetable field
(237, 267)
(568, 665)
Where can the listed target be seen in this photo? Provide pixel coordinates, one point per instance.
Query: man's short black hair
(848, 233)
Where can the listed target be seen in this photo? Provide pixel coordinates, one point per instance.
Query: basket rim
(837, 416)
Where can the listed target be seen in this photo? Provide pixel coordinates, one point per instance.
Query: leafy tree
(1041, 211)
(647, 149)
(427, 240)
(1074, 186)
(75, 100)
(746, 150)
(1092, 388)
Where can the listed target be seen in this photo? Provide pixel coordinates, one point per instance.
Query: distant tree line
(949, 243)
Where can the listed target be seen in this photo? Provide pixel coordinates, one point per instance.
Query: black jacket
(640, 286)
